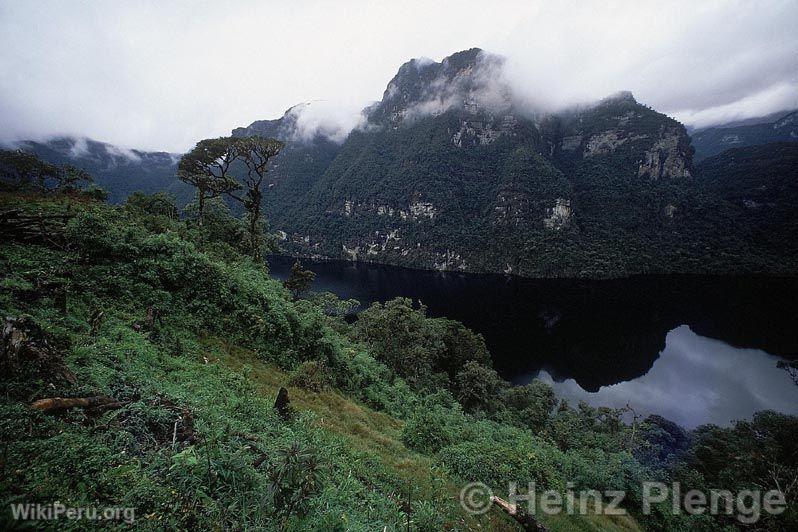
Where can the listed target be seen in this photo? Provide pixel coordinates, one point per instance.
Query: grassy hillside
(391, 415)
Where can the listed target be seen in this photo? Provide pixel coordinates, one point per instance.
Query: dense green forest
(182, 341)
(491, 208)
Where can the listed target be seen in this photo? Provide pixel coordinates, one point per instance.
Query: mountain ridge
(717, 139)
(450, 171)
(120, 171)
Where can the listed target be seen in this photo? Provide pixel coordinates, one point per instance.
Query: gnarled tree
(255, 153)
(207, 167)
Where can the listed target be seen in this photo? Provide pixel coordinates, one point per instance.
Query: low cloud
(79, 148)
(779, 97)
(332, 120)
(673, 56)
(484, 86)
(160, 76)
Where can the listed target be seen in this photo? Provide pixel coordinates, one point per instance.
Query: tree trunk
(200, 206)
(527, 522)
(254, 217)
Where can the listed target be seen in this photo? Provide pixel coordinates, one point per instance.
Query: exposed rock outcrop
(669, 157)
(559, 216)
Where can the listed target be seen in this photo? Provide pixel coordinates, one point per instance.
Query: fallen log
(521, 516)
(56, 404)
(34, 227)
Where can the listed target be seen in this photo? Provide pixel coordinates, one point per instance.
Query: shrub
(478, 387)
(312, 375)
(434, 424)
(528, 406)
(294, 477)
(498, 464)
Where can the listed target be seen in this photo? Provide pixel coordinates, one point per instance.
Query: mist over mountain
(119, 171)
(367, 265)
(452, 170)
(780, 128)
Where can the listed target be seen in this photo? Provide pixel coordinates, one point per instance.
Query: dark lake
(694, 349)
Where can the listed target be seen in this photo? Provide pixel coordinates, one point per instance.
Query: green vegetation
(22, 170)
(391, 415)
(489, 202)
(207, 167)
(299, 280)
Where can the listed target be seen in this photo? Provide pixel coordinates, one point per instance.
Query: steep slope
(119, 171)
(758, 186)
(450, 173)
(714, 140)
(193, 433)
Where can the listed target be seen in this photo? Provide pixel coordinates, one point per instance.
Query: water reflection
(598, 336)
(696, 380)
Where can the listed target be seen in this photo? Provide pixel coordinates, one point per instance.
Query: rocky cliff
(448, 171)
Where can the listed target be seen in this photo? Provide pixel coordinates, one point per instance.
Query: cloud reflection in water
(697, 380)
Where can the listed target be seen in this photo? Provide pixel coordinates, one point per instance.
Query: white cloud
(158, 75)
(672, 55)
(776, 98)
(328, 119)
(79, 148)
(696, 380)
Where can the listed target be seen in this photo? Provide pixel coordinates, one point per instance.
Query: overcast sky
(163, 76)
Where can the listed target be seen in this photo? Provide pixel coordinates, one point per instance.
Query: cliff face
(449, 173)
(467, 81)
(620, 125)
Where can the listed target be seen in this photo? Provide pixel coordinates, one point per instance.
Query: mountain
(750, 121)
(759, 187)
(120, 171)
(782, 128)
(449, 171)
